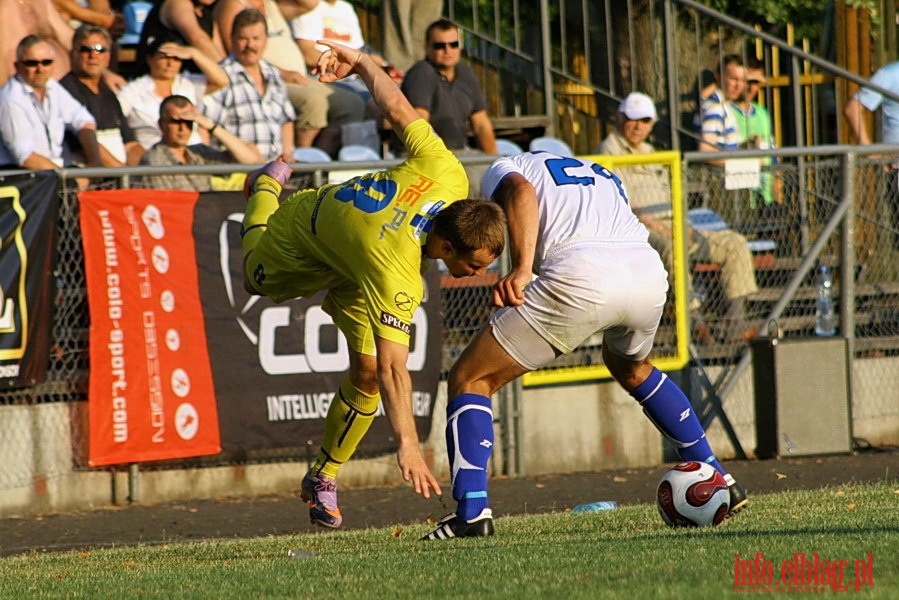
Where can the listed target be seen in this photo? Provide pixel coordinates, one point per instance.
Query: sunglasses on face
(33, 62)
(187, 122)
(445, 45)
(89, 49)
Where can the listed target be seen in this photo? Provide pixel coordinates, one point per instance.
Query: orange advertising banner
(151, 394)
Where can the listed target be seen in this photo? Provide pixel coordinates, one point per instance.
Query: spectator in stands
(446, 93)
(177, 118)
(186, 22)
(91, 50)
(36, 111)
(22, 18)
(317, 105)
(140, 99)
(867, 100)
(254, 104)
(336, 20)
(95, 12)
(649, 191)
(717, 121)
(754, 124)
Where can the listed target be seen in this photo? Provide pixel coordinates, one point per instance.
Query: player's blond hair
(472, 224)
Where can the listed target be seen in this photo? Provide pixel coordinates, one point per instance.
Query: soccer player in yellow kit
(367, 242)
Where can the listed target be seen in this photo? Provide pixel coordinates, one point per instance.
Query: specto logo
(802, 573)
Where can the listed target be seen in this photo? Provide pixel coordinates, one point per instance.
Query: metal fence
(572, 62)
(834, 206)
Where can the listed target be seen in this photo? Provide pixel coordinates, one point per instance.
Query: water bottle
(825, 324)
(595, 506)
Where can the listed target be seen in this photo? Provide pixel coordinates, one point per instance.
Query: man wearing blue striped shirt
(717, 122)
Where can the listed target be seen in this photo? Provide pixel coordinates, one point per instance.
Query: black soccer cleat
(738, 498)
(452, 526)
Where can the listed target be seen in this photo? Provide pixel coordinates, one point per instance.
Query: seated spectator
(446, 93)
(36, 112)
(254, 105)
(187, 23)
(317, 105)
(336, 20)
(717, 121)
(91, 50)
(177, 118)
(95, 12)
(649, 193)
(33, 17)
(754, 126)
(140, 98)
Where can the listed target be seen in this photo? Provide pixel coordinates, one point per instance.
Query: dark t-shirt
(450, 103)
(104, 107)
(153, 29)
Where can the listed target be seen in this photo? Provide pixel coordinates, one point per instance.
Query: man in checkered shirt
(255, 105)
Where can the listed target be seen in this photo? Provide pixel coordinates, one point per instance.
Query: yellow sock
(349, 418)
(260, 206)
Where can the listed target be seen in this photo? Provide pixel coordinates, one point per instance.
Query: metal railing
(589, 56)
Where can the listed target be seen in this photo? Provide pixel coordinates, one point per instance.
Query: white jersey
(578, 201)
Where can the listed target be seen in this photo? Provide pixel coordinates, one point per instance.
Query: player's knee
(626, 371)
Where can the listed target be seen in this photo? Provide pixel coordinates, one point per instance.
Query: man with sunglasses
(177, 119)
(36, 111)
(446, 93)
(91, 52)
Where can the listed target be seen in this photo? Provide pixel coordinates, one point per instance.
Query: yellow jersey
(363, 241)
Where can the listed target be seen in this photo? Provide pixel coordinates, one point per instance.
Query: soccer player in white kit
(571, 225)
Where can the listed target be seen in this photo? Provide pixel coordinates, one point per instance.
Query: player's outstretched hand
(337, 62)
(412, 464)
(278, 170)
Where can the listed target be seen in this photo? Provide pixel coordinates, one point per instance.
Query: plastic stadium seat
(357, 153)
(135, 14)
(705, 218)
(550, 144)
(353, 153)
(310, 155)
(507, 147)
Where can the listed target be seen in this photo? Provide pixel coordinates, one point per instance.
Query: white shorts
(617, 290)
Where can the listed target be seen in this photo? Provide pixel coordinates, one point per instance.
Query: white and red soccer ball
(693, 494)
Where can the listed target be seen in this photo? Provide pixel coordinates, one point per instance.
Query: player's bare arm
(519, 201)
(340, 61)
(396, 394)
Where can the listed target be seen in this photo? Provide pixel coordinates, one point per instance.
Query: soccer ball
(693, 494)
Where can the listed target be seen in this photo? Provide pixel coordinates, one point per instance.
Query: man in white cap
(649, 192)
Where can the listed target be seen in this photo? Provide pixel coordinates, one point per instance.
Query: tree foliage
(774, 15)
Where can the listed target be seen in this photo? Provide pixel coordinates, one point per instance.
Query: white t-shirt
(577, 201)
(336, 21)
(140, 105)
(281, 49)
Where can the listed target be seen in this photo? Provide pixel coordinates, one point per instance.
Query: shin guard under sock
(349, 417)
(469, 443)
(671, 412)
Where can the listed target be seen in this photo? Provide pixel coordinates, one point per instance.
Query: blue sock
(469, 443)
(672, 414)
